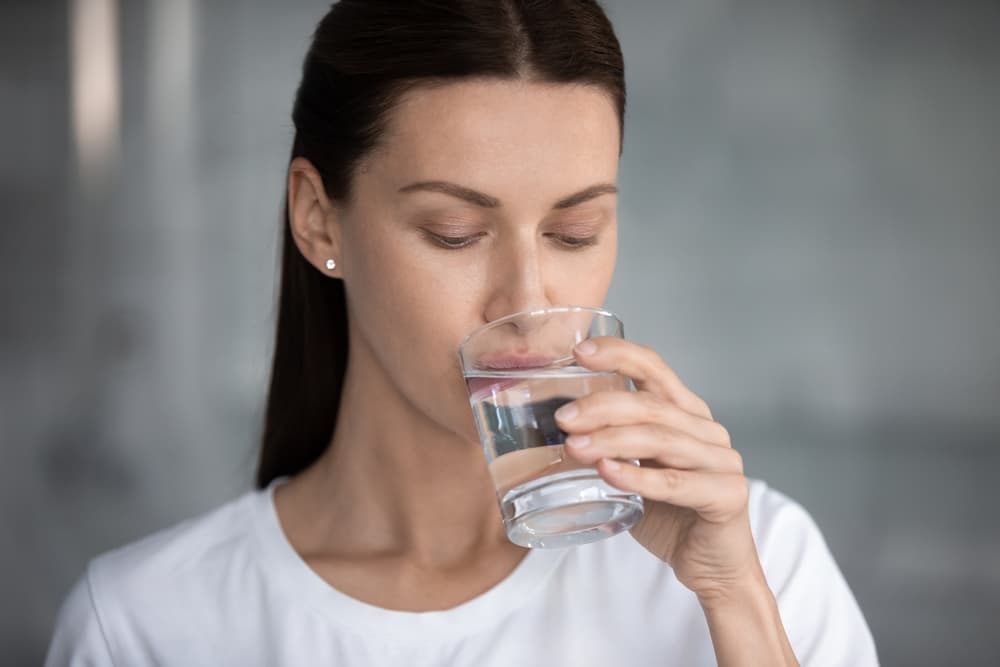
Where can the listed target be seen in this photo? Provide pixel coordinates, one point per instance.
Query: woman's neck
(393, 483)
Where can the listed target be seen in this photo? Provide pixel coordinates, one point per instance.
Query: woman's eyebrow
(455, 190)
(586, 194)
(486, 201)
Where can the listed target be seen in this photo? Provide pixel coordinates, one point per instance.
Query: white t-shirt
(227, 588)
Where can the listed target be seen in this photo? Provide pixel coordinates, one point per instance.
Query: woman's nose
(519, 284)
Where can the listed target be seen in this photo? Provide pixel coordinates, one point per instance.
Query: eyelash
(460, 242)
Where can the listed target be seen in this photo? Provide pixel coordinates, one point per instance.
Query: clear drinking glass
(519, 370)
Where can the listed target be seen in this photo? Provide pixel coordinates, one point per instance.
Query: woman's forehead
(494, 125)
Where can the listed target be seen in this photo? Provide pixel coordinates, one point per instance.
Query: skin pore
(518, 178)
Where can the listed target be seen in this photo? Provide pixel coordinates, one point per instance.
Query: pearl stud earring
(330, 264)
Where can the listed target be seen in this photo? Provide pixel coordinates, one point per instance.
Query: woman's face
(483, 198)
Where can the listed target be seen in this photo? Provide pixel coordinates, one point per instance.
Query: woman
(455, 162)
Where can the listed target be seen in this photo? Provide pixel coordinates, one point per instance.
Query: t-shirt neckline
(286, 569)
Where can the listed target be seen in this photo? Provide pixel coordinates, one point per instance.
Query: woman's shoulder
(771, 509)
(821, 615)
(210, 539)
(784, 531)
(155, 585)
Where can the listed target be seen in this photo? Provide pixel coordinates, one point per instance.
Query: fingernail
(577, 441)
(567, 412)
(587, 348)
(611, 464)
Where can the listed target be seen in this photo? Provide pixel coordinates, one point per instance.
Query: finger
(715, 496)
(662, 444)
(646, 368)
(619, 408)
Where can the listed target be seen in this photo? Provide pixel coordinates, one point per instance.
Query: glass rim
(537, 311)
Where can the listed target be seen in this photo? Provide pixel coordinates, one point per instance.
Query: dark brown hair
(364, 55)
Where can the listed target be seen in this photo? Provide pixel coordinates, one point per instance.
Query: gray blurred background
(808, 235)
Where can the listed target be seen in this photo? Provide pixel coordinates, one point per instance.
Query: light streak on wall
(96, 89)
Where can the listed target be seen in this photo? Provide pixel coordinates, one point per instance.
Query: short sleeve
(821, 617)
(79, 639)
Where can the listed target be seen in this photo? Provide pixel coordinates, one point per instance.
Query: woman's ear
(312, 217)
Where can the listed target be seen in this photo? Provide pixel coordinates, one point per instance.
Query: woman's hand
(690, 476)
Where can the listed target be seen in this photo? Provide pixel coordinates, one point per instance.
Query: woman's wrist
(736, 591)
(745, 624)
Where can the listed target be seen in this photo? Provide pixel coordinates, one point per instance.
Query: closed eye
(459, 242)
(453, 242)
(576, 241)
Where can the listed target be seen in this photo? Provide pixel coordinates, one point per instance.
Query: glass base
(567, 509)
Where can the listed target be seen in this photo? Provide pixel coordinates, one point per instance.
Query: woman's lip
(508, 361)
(481, 384)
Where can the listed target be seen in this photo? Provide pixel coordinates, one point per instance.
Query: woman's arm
(746, 627)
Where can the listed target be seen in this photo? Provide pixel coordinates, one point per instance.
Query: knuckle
(659, 409)
(698, 406)
(671, 479)
(737, 462)
(652, 358)
(724, 435)
(667, 434)
(631, 433)
(649, 400)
